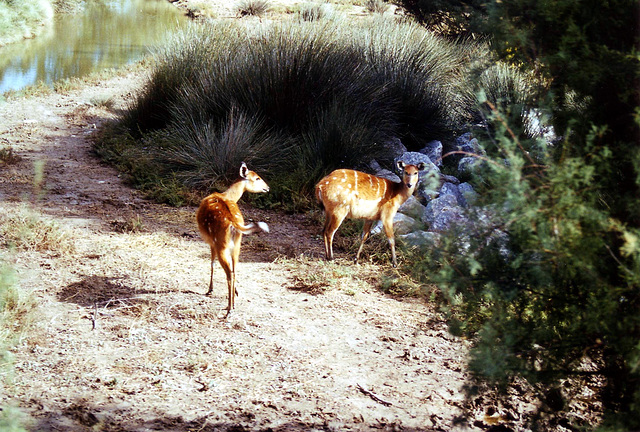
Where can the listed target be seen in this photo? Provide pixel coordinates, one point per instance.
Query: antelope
(348, 193)
(221, 225)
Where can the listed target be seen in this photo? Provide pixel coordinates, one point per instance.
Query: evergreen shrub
(546, 281)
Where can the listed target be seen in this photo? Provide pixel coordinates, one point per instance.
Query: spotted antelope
(348, 193)
(221, 225)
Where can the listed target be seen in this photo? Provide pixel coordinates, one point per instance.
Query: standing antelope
(359, 195)
(222, 225)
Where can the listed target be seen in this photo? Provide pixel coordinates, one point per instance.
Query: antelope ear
(421, 166)
(400, 165)
(243, 170)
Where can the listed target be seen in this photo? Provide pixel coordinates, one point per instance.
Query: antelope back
(216, 215)
(341, 186)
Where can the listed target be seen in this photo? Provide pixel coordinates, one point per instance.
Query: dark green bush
(298, 99)
(547, 282)
(451, 18)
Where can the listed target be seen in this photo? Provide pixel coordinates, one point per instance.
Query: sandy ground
(126, 340)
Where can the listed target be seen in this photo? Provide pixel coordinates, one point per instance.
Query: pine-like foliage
(548, 279)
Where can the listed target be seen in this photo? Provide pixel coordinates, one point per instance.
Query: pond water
(108, 34)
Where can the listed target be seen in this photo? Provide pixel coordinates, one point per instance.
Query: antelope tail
(251, 227)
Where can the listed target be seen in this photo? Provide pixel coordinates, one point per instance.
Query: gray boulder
(467, 193)
(443, 213)
(421, 239)
(433, 149)
(396, 147)
(402, 224)
(437, 206)
(452, 189)
(467, 164)
(412, 207)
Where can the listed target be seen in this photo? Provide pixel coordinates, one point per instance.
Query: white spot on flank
(344, 180)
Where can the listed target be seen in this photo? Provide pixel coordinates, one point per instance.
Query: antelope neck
(235, 191)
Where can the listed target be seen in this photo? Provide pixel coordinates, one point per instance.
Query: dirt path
(161, 357)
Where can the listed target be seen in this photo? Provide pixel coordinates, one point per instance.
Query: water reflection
(108, 34)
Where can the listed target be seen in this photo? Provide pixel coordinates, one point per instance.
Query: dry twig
(373, 396)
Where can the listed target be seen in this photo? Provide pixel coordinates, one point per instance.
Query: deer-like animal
(221, 225)
(348, 193)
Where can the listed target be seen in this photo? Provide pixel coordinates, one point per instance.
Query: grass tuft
(257, 8)
(27, 230)
(9, 157)
(377, 6)
(311, 11)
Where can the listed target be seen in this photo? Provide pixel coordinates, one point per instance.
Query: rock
(396, 147)
(467, 164)
(467, 143)
(402, 224)
(451, 189)
(374, 166)
(450, 179)
(438, 205)
(434, 150)
(467, 193)
(421, 239)
(447, 220)
(412, 208)
(443, 213)
(384, 173)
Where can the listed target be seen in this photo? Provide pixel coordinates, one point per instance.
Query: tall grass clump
(253, 7)
(313, 11)
(19, 19)
(296, 99)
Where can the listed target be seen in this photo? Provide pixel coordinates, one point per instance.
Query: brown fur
(348, 193)
(221, 225)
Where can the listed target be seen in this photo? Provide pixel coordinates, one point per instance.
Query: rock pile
(440, 200)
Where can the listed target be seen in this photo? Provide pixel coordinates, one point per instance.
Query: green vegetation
(548, 286)
(451, 18)
(17, 306)
(293, 100)
(20, 19)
